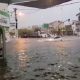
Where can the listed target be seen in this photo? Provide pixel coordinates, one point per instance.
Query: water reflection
(62, 55)
(42, 62)
(22, 57)
(20, 45)
(23, 60)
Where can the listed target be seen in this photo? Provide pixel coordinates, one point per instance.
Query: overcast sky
(32, 16)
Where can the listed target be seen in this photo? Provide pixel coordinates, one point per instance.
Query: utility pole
(16, 21)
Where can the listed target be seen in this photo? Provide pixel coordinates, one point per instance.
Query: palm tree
(78, 16)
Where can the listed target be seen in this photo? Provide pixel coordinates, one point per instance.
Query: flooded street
(31, 59)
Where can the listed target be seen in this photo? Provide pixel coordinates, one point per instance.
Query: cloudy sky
(28, 16)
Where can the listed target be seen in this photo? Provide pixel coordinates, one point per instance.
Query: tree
(69, 30)
(78, 16)
(11, 33)
(36, 29)
(25, 32)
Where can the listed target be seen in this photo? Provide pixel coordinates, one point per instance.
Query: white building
(56, 25)
(4, 28)
(4, 19)
(76, 27)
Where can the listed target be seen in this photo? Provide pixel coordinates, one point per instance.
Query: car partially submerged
(56, 38)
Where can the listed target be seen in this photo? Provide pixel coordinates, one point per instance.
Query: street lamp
(20, 14)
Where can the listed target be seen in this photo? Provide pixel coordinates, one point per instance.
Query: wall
(4, 18)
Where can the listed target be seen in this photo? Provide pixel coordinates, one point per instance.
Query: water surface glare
(31, 59)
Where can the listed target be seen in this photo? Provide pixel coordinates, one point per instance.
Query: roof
(35, 3)
(42, 3)
(4, 1)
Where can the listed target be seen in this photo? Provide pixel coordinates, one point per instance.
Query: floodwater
(31, 59)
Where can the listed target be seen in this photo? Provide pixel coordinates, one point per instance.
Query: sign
(12, 24)
(46, 26)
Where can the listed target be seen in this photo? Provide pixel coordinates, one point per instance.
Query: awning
(36, 3)
(42, 3)
(4, 1)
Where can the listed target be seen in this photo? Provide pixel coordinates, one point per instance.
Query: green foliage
(25, 32)
(69, 30)
(37, 29)
(11, 33)
(53, 31)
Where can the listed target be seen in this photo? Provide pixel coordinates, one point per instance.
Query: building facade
(4, 27)
(76, 27)
(4, 18)
(56, 27)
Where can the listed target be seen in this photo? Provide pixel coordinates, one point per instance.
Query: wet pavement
(31, 59)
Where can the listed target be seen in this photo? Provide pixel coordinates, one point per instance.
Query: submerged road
(32, 59)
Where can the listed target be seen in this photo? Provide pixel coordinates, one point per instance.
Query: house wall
(56, 25)
(4, 19)
(76, 27)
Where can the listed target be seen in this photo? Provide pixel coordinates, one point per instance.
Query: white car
(44, 35)
(56, 38)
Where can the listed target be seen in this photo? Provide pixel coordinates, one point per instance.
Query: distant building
(76, 27)
(34, 26)
(56, 25)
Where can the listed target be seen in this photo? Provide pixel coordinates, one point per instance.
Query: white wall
(3, 6)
